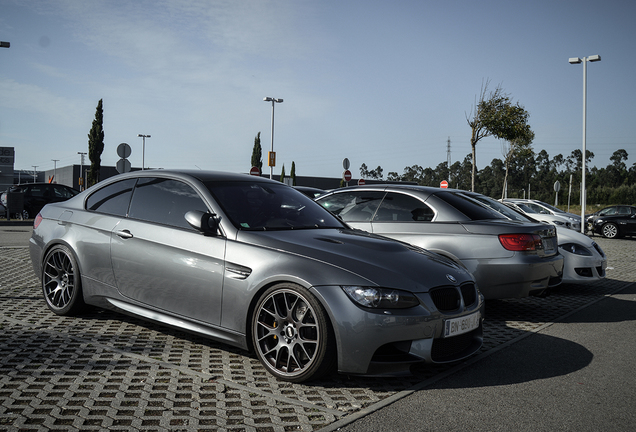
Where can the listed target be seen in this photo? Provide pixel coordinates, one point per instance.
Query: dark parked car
(256, 264)
(311, 192)
(509, 255)
(614, 221)
(37, 195)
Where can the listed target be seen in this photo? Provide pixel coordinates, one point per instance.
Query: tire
(61, 282)
(291, 334)
(610, 230)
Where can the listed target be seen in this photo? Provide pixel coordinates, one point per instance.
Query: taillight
(520, 242)
(37, 220)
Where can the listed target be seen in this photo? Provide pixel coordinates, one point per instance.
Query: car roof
(425, 190)
(201, 175)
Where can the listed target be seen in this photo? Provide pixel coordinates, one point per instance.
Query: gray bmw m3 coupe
(255, 264)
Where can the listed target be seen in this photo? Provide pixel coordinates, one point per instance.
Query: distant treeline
(533, 174)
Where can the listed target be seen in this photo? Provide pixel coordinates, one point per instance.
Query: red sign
(443, 184)
(346, 175)
(362, 182)
(255, 171)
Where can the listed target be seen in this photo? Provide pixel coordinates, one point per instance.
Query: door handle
(125, 234)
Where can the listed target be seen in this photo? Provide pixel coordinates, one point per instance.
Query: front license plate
(457, 326)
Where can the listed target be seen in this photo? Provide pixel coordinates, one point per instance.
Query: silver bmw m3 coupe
(256, 264)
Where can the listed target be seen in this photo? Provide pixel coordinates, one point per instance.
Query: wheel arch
(284, 280)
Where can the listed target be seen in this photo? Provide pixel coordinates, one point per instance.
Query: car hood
(570, 236)
(381, 261)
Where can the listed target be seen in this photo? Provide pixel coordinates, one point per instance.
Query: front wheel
(610, 230)
(61, 282)
(291, 334)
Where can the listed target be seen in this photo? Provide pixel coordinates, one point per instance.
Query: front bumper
(390, 341)
(579, 268)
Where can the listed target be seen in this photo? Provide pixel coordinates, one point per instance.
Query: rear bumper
(517, 276)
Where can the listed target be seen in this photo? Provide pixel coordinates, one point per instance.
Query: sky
(384, 83)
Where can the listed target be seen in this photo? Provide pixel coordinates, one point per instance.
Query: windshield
(525, 208)
(255, 205)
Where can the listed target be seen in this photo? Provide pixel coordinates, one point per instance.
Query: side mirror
(207, 223)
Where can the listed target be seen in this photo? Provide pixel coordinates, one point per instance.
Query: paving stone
(104, 370)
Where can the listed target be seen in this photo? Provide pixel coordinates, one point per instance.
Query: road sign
(346, 164)
(271, 159)
(346, 175)
(557, 186)
(123, 166)
(255, 171)
(123, 150)
(362, 182)
(443, 184)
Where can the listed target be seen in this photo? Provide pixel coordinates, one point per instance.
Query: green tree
(257, 153)
(282, 174)
(96, 145)
(483, 119)
(372, 174)
(292, 173)
(511, 125)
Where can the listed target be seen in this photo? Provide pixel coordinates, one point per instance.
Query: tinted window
(112, 199)
(62, 192)
(255, 205)
(607, 211)
(499, 207)
(356, 206)
(164, 201)
(400, 207)
(469, 207)
(37, 191)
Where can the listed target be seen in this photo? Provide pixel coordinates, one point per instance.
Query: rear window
(478, 207)
(112, 199)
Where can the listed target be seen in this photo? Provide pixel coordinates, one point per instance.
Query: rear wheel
(610, 230)
(61, 282)
(292, 335)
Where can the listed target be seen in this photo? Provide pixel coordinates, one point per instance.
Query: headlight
(558, 223)
(575, 249)
(381, 298)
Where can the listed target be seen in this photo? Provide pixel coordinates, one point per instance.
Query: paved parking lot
(109, 371)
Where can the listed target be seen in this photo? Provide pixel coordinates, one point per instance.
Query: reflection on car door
(160, 261)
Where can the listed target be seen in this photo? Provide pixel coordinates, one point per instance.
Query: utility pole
(35, 172)
(448, 159)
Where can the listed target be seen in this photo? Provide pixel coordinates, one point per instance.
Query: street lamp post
(5, 44)
(143, 150)
(81, 179)
(55, 169)
(271, 158)
(584, 60)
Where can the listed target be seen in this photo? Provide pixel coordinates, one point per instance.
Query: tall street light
(271, 156)
(55, 170)
(81, 179)
(143, 150)
(584, 60)
(5, 44)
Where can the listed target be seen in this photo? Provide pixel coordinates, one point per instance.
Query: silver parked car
(256, 264)
(534, 212)
(583, 258)
(509, 255)
(547, 209)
